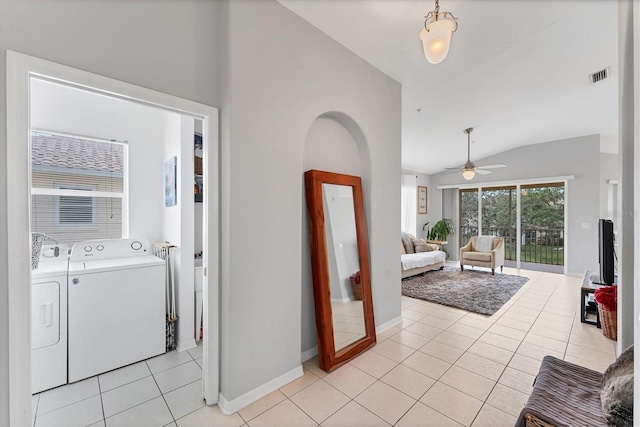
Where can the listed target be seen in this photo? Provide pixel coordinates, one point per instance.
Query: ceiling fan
(469, 170)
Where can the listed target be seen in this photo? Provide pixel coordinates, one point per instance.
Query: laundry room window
(78, 187)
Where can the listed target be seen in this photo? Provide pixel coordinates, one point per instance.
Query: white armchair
(469, 254)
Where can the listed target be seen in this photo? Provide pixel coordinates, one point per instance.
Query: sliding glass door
(542, 222)
(499, 216)
(494, 211)
(468, 215)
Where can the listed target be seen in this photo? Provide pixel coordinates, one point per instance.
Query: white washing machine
(49, 319)
(116, 305)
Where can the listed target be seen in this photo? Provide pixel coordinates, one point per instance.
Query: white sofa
(417, 256)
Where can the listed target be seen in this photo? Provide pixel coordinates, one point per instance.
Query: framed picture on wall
(422, 200)
(170, 187)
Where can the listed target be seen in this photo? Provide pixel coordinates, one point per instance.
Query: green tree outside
(542, 220)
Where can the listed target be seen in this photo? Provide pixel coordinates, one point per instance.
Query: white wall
(627, 147)
(63, 109)
(167, 46)
(178, 224)
(198, 224)
(576, 156)
(279, 74)
(609, 170)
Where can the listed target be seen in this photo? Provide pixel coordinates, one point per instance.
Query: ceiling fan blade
(453, 171)
(482, 172)
(496, 166)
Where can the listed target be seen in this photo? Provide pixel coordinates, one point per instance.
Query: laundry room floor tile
(196, 352)
(125, 397)
(123, 376)
(34, 404)
(151, 413)
(185, 399)
(62, 396)
(168, 360)
(85, 412)
(174, 378)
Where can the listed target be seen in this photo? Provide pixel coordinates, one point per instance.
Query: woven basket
(357, 287)
(609, 321)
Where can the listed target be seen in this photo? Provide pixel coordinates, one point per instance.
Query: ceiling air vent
(599, 75)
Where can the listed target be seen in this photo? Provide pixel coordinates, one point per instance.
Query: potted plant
(440, 230)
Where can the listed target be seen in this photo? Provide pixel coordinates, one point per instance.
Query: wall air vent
(599, 75)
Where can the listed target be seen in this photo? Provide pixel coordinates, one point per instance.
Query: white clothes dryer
(49, 319)
(116, 305)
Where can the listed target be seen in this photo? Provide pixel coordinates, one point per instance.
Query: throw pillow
(422, 246)
(402, 249)
(484, 244)
(407, 240)
(616, 393)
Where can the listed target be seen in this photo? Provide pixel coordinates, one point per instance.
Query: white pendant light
(436, 34)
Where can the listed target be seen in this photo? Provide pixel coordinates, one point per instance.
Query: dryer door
(45, 314)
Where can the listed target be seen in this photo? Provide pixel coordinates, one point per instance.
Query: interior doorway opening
(24, 73)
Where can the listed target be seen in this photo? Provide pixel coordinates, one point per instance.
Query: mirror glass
(344, 266)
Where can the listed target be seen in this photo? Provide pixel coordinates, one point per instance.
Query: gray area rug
(471, 290)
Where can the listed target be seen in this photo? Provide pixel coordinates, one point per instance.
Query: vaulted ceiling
(517, 71)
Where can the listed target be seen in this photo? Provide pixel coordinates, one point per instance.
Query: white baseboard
(308, 354)
(228, 407)
(388, 325)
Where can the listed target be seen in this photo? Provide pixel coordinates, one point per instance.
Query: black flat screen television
(606, 253)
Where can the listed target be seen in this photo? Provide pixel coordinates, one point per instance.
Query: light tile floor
(440, 367)
(155, 392)
(444, 366)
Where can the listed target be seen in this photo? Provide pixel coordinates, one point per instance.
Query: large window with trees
(494, 211)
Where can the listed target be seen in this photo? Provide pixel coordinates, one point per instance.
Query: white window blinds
(78, 187)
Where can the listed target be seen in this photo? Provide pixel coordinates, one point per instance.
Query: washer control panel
(109, 248)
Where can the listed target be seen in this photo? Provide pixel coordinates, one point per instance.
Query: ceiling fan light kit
(469, 170)
(436, 34)
(468, 174)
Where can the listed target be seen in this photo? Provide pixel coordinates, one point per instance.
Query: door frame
(20, 69)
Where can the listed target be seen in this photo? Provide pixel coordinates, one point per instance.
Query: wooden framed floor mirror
(340, 267)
